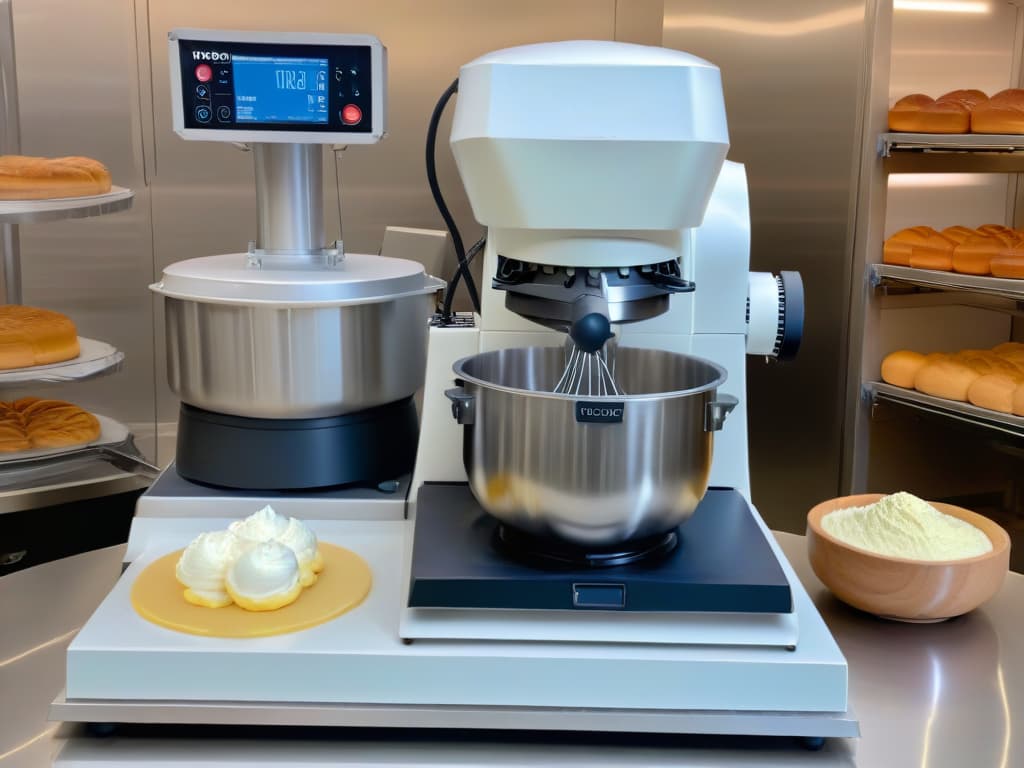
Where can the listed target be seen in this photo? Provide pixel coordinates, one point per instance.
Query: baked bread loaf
(40, 178)
(949, 378)
(900, 367)
(969, 97)
(959, 234)
(34, 423)
(920, 247)
(32, 336)
(994, 391)
(1003, 113)
(974, 255)
(918, 113)
(1009, 264)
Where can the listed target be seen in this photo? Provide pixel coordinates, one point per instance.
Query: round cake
(32, 336)
(33, 423)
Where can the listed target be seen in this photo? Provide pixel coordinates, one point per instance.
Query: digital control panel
(287, 87)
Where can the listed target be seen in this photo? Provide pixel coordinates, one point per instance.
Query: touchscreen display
(273, 89)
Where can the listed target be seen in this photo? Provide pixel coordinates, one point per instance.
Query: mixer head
(586, 160)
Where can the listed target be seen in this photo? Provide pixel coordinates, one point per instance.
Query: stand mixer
(589, 606)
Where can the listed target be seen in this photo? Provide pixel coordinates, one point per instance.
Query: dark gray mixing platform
(722, 563)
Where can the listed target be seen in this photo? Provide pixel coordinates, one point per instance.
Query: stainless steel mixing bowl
(592, 471)
(296, 362)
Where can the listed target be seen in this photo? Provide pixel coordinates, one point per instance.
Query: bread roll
(945, 117)
(32, 336)
(1018, 400)
(969, 97)
(974, 255)
(38, 178)
(993, 391)
(1008, 265)
(1013, 97)
(993, 116)
(928, 249)
(945, 378)
(34, 423)
(1007, 347)
(904, 115)
(900, 367)
(958, 234)
(997, 229)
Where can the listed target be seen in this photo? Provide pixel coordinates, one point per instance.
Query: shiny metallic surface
(792, 74)
(937, 695)
(532, 464)
(292, 363)
(289, 197)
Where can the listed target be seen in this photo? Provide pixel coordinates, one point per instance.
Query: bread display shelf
(949, 142)
(1006, 288)
(965, 412)
(115, 445)
(95, 359)
(33, 211)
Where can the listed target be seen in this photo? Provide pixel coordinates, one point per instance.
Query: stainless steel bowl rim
(359, 279)
(433, 284)
(459, 364)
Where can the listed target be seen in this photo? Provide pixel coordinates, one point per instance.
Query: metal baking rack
(888, 274)
(951, 152)
(1006, 423)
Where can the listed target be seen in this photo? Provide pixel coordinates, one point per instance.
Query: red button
(351, 114)
(203, 73)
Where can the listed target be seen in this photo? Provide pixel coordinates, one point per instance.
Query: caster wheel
(813, 743)
(101, 730)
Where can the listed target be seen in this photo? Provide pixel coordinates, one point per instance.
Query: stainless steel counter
(934, 695)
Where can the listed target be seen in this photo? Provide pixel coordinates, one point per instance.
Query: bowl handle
(463, 405)
(717, 410)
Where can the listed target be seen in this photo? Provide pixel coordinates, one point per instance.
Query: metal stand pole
(290, 199)
(10, 144)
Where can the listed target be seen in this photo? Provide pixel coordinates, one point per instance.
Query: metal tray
(114, 445)
(31, 211)
(1005, 287)
(96, 358)
(964, 412)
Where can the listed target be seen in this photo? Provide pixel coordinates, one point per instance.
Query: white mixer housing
(607, 140)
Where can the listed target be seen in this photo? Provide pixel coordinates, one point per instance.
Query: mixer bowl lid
(359, 279)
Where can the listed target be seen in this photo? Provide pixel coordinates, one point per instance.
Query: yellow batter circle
(343, 584)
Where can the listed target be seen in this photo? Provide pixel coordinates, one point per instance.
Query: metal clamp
(463, 405)
(717, 410)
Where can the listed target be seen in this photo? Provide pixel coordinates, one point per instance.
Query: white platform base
(358, 663)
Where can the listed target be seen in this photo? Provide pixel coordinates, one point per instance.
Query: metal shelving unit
(1006, 423)
(888, 274)
(949, 143)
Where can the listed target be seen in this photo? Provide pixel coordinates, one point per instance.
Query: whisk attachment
(589, 374)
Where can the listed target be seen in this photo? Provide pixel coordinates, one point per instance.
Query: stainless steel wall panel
(78, 93)
(792, 74)
(204, 200)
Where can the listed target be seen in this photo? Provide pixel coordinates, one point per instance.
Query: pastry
(265, 578)
(918, 113)
(32, 336)
(974, 255)
(969, 97)
(928, 249)
(1003, 113)
(918, 116)
(34, 423)
(899, 368)
(302, 541)
(39, 178)
(994, 391)
(949, 378)
(203, 567)
(1009, 265)
(259, 527)
(959, 234)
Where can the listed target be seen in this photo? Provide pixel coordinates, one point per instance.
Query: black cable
(449, 295)
(435, 189)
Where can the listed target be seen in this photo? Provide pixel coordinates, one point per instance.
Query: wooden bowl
(899, 588)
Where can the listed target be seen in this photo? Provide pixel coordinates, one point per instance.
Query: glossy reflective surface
(594, 471)
(265, 362)
(947, 695)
